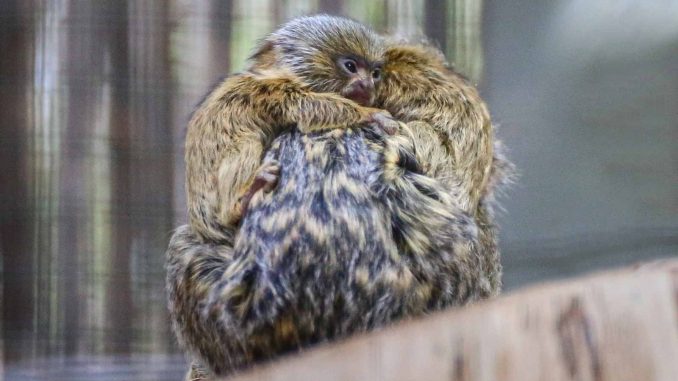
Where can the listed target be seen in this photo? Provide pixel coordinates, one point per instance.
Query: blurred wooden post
(620, 325)
(17, 30)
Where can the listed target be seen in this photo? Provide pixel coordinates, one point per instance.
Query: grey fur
(365, 241)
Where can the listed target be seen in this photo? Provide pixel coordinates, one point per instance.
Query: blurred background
(95, 96)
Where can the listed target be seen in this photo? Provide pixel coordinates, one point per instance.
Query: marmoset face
(361, 78)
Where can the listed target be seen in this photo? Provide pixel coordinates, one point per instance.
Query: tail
(194, 270)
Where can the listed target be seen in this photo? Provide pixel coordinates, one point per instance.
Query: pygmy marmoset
(354, 234)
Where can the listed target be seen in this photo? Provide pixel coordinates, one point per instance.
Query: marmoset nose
(366, 85)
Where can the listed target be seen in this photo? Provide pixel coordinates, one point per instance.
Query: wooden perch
(620, 325)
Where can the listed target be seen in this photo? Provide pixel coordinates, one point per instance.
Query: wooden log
(620, 325)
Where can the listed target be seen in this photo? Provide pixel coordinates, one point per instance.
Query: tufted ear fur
(263, 57)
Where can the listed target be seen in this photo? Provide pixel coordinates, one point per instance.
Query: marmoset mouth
(360, 97)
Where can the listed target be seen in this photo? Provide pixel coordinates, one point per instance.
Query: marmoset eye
(350, 66)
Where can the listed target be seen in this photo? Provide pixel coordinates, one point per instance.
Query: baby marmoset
(315, 73)
(452, 134)
(452, 127)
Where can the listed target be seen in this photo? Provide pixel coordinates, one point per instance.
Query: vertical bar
(18, 265)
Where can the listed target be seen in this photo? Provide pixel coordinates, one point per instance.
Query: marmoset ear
(263, 56)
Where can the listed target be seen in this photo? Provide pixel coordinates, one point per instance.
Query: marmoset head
(413, 62)
(330, 54)
(415, 69)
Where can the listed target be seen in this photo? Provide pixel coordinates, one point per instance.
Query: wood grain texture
(619, 325)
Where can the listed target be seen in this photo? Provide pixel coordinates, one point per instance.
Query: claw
(265, 179)
(267, 176)
(386, 122)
